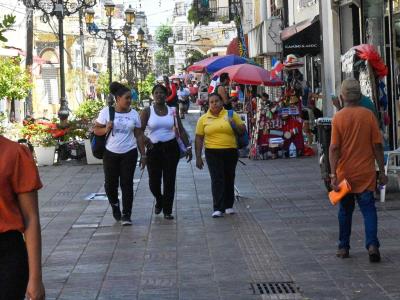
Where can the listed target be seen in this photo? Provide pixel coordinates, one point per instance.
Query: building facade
(352, 22)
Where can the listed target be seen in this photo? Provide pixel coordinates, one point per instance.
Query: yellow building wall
(256, 12)
(75, 79)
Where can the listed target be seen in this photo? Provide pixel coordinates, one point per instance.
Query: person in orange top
(20, 238)
(356, 143)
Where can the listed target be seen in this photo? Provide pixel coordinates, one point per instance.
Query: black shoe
(343, 253)
(157, 210)
(168, 217)
(116, 212)
(374, 255)
(126, 221)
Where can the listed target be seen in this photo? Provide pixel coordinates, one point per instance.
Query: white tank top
(161, 129)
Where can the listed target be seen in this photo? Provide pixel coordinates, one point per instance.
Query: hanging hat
(292, 62)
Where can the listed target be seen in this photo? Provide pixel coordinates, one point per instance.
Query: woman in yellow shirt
(215, 130)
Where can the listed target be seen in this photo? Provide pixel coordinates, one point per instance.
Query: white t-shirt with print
(121, 139)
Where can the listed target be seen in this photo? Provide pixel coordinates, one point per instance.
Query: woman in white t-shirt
(162, 149)
(120, 156)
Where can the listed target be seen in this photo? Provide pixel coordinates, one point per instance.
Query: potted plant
(41, 138)
(85, 115)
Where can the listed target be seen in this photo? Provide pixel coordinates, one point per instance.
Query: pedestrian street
(280, 245)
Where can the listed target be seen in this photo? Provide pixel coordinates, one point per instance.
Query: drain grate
(274, 288)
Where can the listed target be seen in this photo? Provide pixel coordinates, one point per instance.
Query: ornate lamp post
(60, 9)
(133, 50)
(109, 33)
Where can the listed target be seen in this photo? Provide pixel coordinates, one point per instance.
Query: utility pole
(29, 57)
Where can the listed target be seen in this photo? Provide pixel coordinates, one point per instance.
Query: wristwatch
(332, 176)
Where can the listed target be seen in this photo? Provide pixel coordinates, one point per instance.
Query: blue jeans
(366, 202)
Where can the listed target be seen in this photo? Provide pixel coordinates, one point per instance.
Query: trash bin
(324, 129)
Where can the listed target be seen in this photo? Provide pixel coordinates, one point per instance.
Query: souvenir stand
(364, 63)
(277, 123)
(250, 75)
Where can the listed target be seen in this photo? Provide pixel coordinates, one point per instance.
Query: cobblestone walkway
(284, 236)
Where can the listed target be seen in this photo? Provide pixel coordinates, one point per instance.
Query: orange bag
(344, 189)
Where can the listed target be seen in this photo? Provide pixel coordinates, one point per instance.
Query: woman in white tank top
(162, 149)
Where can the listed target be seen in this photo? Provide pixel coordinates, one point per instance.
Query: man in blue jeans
(355, 145)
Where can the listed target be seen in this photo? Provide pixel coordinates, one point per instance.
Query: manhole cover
(97, 197)
(274, 288)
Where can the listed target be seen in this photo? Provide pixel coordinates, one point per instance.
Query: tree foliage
(103, 85)
(193, 55)
(163, 33)
(162, 61)
(15, 82)
(146, 86)
(196, 17)
(5, 25)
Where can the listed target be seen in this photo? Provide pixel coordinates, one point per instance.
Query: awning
(302, 39)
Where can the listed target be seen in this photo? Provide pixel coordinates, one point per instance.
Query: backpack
(242, 140)
(98, 142)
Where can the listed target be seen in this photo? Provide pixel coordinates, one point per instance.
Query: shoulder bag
(98, 142)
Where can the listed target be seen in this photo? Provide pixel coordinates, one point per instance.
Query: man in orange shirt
(355, 145)
(20, 238)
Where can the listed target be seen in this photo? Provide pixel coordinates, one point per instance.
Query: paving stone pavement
(285, 231)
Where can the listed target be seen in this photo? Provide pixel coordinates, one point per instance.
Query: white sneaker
(230, 211)
(217, 214)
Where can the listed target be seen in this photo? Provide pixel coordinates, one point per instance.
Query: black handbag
(98, 142)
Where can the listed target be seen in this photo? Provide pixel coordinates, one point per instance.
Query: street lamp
(109, 33)
(140, 35)
(60, 9)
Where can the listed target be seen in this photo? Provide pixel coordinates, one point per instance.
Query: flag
(277, 67)
(213, 84)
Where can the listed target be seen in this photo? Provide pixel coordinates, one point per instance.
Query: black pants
(119, 169)
(162, 162)
(222, 166)
(14, 272)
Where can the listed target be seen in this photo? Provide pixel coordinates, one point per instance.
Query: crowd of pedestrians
(155, 135)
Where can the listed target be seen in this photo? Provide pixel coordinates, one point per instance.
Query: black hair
(161, 87)
(265, 95)
(216, 95)
(117, 89)
(223, 77)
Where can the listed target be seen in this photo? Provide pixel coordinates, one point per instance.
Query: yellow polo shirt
(217, 131)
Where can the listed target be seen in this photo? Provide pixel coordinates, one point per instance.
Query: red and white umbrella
(251, 75)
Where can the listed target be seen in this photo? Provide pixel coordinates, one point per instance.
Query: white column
(331, 55)
(268, 9)
(263, 10)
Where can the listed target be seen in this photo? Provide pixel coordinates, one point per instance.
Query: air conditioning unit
(278, 4)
